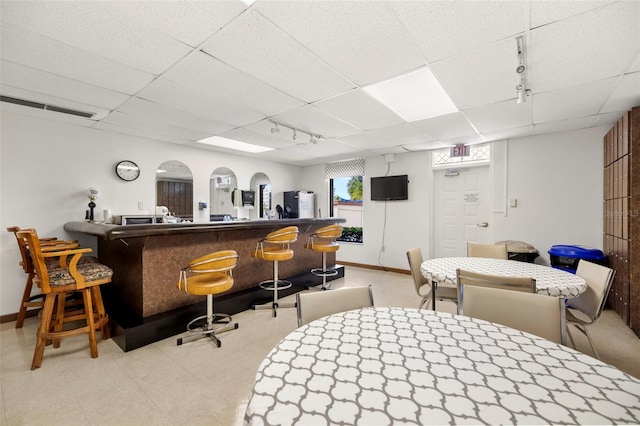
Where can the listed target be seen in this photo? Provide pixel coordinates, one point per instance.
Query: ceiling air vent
(38, 105)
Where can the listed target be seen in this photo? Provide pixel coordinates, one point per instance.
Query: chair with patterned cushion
(276, 247)
(207, 276)
(423, 287)
(56, 280)
(495, 251)
(47, 244)
(324, 241)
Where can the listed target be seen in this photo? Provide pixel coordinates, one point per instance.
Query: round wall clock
(127, 170)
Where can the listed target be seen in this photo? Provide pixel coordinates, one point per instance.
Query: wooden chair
(324, 240)
(47, 245)
(468, 278)
(495, 251)
(207, 276)
(422, 286)
(317, 304)
(276, 247)
(533, 313)
(56, 280)
(585, 309)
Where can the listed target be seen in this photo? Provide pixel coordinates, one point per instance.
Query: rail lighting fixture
(521, 71)
(313, 138)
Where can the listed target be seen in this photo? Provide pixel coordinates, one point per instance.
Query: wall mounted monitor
(390, 188)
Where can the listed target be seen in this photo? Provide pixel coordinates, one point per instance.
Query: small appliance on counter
(298, 204)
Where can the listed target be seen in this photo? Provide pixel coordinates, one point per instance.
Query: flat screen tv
(390, 188)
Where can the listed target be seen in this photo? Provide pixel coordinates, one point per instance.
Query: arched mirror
(174, 190)
(261, 184)
(223, 182)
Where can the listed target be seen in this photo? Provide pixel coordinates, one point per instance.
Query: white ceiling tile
(143, 133)
(365, 141)
(191, 22)
(323, 148)
(174, 116)
(446, 28)
(54, 101)
(626, 94)
(424, 146)
(446, 126)
(183, 98)
(95, 28)
(571, 102)
(311, 119)
(209, 76)
(607, 119)
(286, 156)
(363, 40)
(592, 46)
(400, 134)
(562, 126)
(467, 140)
(29, 49)
(546, 12)
(480, 77)
(515, 132)
(635, 65)
(257, 47)
(504, 115)
(145, 124)
(50, 84)
(360, 110)
(252, 137)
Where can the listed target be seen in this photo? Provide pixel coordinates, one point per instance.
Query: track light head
(275, 129)
(294, 135)
(522, 96)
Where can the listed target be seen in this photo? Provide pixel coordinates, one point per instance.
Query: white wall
(47, 169)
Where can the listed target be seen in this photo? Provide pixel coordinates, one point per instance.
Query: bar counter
(146, 260)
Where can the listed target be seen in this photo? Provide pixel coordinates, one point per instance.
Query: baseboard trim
(14, 316)
(375, 267)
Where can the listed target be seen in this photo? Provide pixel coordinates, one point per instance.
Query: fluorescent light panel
(413, 96)
(233, 144)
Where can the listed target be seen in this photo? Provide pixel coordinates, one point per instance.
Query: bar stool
(206, 276)
(276, 247)
(324, 240)
(56, 280)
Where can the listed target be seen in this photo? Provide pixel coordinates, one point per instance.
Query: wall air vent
(46, 107)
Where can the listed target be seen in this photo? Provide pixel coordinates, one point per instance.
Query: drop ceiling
(179, 71)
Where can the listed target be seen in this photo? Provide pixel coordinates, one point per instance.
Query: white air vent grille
(46, 107)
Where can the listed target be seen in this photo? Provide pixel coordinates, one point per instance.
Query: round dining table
(549, 281)
(385, 366)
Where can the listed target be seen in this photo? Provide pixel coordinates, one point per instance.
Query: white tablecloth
(549, 281)
(382, 366)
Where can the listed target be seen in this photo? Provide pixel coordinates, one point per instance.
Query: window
(265, 199)
(346, 202)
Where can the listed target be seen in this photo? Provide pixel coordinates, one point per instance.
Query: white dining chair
(495, 251)
(466, 278)
(585, 309)
(529, 312)
(422, 285)
(312, 305)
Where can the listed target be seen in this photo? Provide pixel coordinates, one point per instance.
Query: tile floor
(195, 384)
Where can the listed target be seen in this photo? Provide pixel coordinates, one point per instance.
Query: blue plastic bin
(566, 257)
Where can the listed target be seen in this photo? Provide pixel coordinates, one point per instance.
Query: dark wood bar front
(146, 260)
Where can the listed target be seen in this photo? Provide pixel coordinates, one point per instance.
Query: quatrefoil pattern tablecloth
(549, 281)
(384, 366)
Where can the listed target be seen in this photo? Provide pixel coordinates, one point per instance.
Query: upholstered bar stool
(276, 247)
(207, 276)
(324, 240)
(56, 280)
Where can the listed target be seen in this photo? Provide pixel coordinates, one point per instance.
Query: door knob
(483, 225)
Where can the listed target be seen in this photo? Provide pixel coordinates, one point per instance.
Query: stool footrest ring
(200, 323)
(270, 285)
(319, 272)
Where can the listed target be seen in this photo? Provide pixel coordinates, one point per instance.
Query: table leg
(434, 287)
(563, 321)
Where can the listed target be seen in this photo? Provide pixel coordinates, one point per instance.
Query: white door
(462, 210)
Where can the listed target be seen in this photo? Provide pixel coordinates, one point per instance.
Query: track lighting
(312, 138)
(521, 70)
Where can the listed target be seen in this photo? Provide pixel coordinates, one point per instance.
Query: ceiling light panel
(257, 47)
(353, 37)
(436, 25)
(255, 135)
(94, 27)
(233, 144)
(33, 50)
(313, 120)
(174, 116)
(359, 109)
(191, 22)
(480, 77)
(556, 62)
(413, 96)
(50, 84)
(202, 73)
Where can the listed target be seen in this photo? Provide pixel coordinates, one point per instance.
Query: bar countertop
(115, 232)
